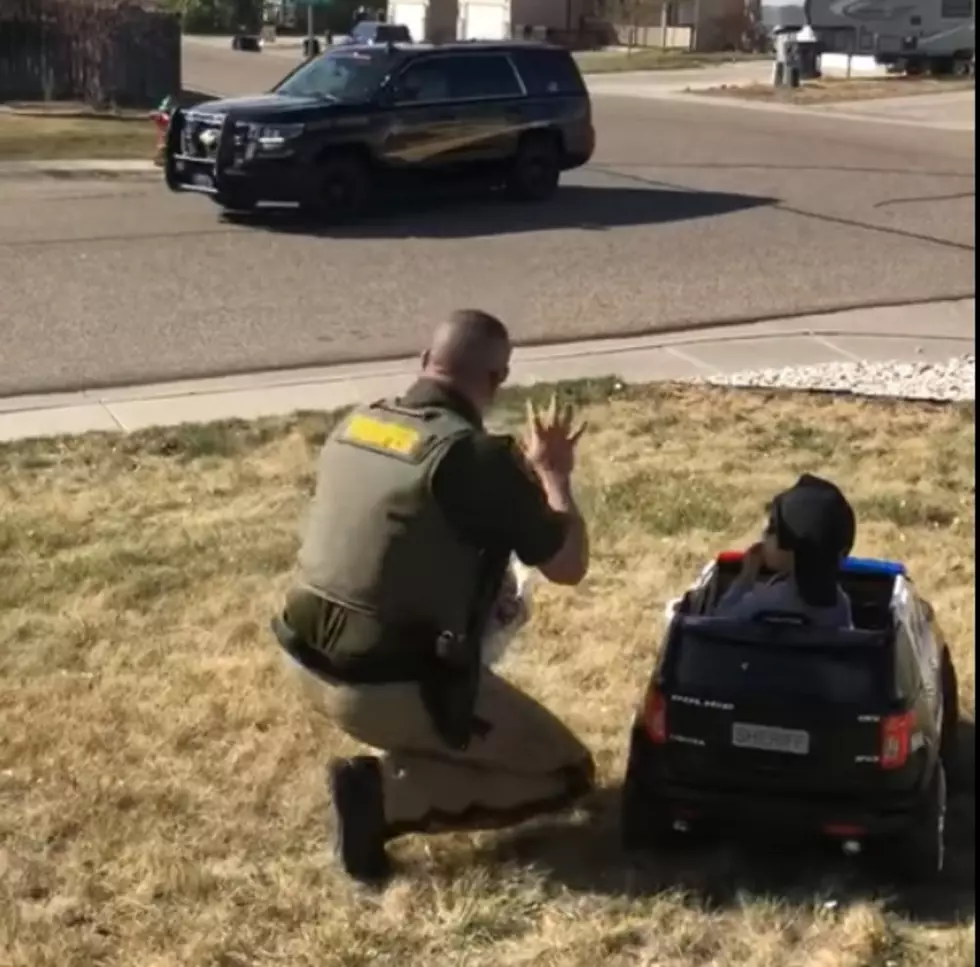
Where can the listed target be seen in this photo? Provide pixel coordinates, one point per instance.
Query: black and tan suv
(362, 118)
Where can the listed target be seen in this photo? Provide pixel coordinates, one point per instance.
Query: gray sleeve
(730, 605)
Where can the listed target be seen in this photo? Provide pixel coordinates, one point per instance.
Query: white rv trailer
(915, 35)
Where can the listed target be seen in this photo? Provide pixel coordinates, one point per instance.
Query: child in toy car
(809, 533)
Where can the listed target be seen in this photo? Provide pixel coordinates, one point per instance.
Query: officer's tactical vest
(375, 539)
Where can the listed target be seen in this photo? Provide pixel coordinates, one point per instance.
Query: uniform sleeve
(493, 499)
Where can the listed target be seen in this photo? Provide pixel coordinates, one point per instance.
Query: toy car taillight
(896, 736)
(655, 716)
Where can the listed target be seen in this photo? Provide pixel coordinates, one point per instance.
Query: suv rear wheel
(536, 169)
(340, 188)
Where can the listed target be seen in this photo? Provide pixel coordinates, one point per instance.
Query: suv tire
(340, 190)
(919, 854)
(536, 169)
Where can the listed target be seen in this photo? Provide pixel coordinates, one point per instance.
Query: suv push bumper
(213, 161)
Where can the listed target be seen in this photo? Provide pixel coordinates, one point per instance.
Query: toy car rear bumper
(786, 810)
(766, 814)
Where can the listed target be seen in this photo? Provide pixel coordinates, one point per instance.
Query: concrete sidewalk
(920, 333)
(945, 111)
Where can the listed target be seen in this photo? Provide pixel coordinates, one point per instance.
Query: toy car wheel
(236, 42)
(949, 737)
(920, 854)
(644, 826)
(536, 169)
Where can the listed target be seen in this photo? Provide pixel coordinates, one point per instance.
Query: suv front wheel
(536, 168)
(340, 188)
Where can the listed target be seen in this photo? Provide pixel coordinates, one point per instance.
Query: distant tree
(217, 16)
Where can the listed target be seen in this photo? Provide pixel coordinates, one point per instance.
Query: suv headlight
(273, 137)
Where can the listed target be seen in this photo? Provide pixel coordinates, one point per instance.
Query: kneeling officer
(416, 512)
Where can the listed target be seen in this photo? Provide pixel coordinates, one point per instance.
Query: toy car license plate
(767, 738)
(202, 179)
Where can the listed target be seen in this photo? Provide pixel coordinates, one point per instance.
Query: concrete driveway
(688, 213)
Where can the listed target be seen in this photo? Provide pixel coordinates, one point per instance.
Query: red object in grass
(161, 118)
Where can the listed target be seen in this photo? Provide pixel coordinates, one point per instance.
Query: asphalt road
(687, 214)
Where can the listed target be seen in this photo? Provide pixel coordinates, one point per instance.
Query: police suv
(363, 117)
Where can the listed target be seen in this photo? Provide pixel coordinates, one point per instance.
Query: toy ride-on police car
(845, 734)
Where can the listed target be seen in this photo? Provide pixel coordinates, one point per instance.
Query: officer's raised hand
(549, 445)
(550, 439)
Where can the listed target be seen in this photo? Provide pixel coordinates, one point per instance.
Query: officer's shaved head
(471, 352)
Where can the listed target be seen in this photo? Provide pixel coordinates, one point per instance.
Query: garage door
(411, 15)
(484, 21)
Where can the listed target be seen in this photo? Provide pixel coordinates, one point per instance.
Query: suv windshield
(351, 76)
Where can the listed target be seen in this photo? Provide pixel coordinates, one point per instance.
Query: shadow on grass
(467, 213)
(587, 857)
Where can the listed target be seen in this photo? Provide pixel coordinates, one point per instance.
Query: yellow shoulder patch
(382, 435)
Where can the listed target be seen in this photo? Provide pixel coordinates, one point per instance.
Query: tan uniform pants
(528, 763)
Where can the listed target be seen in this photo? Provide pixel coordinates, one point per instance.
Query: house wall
(703, 25)
(553, 14)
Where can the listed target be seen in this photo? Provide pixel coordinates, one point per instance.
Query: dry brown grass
(55, 138)
(829, 90)
(161, 794)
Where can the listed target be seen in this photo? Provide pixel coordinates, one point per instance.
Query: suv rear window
(482, 75)
(733, 669)
(548, 71)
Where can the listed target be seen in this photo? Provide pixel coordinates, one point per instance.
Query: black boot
(359, 818)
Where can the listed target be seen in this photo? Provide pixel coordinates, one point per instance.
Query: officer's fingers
(553, 409)
(577, 433)
(533, 421)
(567, 415)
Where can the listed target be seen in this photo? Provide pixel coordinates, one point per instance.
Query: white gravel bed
(951, 380)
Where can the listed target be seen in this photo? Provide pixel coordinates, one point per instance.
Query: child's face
(775, 558)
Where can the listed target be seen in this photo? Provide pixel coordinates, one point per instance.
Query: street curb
(685, 357)
(835, 111)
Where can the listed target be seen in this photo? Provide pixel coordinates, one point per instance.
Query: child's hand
(752, 564)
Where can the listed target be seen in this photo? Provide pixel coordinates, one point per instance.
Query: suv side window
(423, 82)
(548, 72)
(482, 76)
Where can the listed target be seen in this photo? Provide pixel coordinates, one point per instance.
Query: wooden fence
(97, 51)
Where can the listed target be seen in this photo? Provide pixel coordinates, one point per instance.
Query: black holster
(449, 690)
